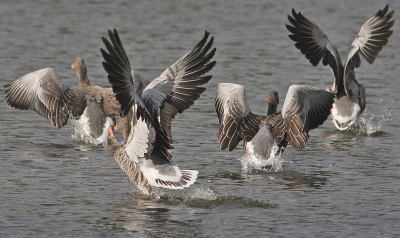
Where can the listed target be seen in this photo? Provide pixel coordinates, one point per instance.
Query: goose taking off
(315, 45)
(304, 109)
(150, 108)
(93, 107)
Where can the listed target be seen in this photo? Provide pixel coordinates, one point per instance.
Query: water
(342, 184)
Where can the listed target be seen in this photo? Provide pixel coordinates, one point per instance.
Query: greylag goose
(304, 109)
(150, 108)
(350, 99)
(93, 107)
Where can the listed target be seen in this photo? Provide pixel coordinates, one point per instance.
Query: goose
(350, 99)
(93, 107)
(150, 108)
(304, 109)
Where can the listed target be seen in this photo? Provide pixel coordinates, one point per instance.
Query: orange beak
(72, 65)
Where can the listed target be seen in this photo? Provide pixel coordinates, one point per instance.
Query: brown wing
(73, 102)
(41, 92)
(236, 120)
(304, 109)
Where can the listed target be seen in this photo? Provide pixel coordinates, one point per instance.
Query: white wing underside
(140, 141)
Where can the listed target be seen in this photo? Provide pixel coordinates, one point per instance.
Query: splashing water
(80, 134)
(201, 193)
(370, 124)
(252, 161)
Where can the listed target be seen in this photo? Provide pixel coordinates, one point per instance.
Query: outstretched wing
(125, 84)
(314, 44)
(173, 91)
(236, 120)
(304, 109)
(41, 92)
(176, 89)
(370, 40)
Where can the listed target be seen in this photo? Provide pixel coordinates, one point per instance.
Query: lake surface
(343, 184)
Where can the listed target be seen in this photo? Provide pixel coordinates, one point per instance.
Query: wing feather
(314, 44)
(173, 91)
(111, 105)
(370, 40)
(304, 109)
(176, 89)
(42, 92)
(125, 84)
(236, 120)
(140, 142)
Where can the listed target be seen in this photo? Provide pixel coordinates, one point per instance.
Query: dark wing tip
(294, 12)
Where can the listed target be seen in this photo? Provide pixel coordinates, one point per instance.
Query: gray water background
(343, 184)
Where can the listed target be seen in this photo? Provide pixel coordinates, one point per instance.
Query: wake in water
(252, 161)
(161, 194)
(201, 197)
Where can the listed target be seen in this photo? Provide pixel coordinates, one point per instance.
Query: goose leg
(111, 131)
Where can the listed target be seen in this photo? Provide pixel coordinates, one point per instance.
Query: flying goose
(93, 107)
(304, 109)
(150, 108)
(350, 99)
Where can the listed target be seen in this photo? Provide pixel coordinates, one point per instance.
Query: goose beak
(72, 65)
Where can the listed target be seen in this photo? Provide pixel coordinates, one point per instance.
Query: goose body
(350, 99)
(42, 92)
(149, 109)
(305, 108)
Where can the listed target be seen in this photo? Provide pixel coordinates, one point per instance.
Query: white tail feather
(188, 178)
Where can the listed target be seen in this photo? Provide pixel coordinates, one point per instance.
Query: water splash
(252, 161)
(81, 135)
(201, 193)
(161, 194)
(370, 124)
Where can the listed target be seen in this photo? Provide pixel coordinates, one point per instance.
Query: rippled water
(342, 184)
